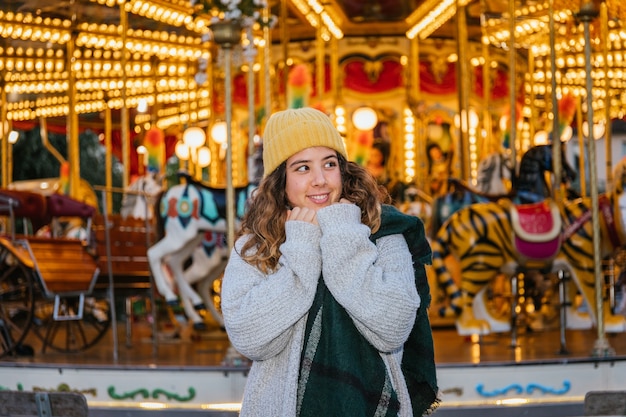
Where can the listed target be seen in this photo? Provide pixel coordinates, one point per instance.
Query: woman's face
(313, 178)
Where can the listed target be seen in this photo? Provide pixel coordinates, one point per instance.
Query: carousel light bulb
(218, 132)
(364, 118)
(204, 157)
(194, 137)
(142, 105)
(182, 151)
(541, 138)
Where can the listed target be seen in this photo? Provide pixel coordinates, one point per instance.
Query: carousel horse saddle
(536, 230)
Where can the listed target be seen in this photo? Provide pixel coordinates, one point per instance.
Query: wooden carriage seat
(64, 265)
(129, 243)
(26, 204)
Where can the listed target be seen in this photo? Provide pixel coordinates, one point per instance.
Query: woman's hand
(303, 214)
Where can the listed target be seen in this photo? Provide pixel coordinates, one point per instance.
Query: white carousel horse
(208, 260)
(188, 211)
(208, 257)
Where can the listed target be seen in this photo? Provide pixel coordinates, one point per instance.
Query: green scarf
(341, 373)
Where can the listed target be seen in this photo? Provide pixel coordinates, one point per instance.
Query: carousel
(499, 123)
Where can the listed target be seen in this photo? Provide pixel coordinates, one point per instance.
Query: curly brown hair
(266, 214)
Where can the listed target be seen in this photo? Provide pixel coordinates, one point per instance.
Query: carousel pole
(319, 60)
(581, 146)
(532, 95)
(607, 98)
(284, 40)
(9, 129)
(4, 136)
(335, 82)
(73, 148)
(416, 97)
(230, 192)
(267, 62)
(108, 145)
(556, 135)
(251, 54)
(487, 100)
(601, 348)
(124, 117)
(227, 34)
(463, 91)
(512, 83)
(487, 139)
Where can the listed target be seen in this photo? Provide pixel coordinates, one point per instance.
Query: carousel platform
(539, 373)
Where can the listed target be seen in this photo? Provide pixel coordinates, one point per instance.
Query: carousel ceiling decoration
(431, 15)
(45, 45)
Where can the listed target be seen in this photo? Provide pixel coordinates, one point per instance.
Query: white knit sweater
(265, 315)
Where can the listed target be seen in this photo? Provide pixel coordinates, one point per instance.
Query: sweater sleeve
(260, 309)
(375, 283)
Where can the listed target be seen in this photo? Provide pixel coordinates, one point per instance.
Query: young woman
(320, 291)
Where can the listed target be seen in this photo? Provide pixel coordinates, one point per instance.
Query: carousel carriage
(47, 282)
(60, 283)
(62, 287)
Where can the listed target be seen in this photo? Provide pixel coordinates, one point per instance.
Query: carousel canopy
(49, 49)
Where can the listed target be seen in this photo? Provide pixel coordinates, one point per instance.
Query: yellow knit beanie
(290, 131)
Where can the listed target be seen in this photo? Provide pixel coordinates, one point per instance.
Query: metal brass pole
(601, 347)
(263, 89)
(532, 95)
(9, 154)
(512, 84)
(414, 67)
(581, 146)
(73, 147)
(124, 125)
(463, 92)
(334, 72)
(108, 145)
(556, 135)
(415, 94)
(4, 136)
(230, 192)
(215, 166)
(284, 42)
(251, 86)
(607, 99)
(487, 100)
(319, 61)
(267, 38)
(227, 34)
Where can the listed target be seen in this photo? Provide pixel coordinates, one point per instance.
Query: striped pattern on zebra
(480, 237)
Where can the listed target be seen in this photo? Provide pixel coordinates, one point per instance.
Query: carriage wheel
(16, 303)
(72, 335)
